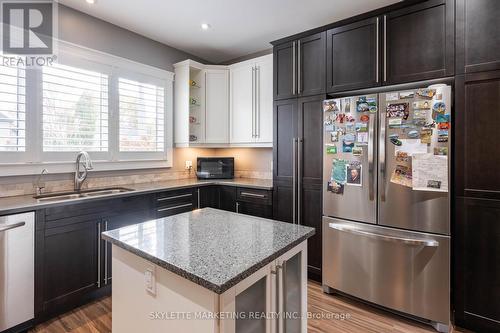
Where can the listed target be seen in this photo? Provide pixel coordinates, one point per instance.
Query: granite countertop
(210, 247)
(18, 204)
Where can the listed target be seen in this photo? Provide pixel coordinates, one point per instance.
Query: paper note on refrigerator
(430, 172)
(411, 146)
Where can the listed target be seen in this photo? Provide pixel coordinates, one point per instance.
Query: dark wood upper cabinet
(299, 67)
(419, 42)
(311, 60)
(353, 56)
(284, 66)
(476, 127)
(478, 35)
(477, 273)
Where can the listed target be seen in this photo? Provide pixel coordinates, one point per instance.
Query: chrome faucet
(39, 185)
(87, 165)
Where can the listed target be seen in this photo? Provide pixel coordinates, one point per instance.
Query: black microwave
(215, 167)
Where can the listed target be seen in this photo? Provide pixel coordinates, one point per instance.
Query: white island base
(277, 291)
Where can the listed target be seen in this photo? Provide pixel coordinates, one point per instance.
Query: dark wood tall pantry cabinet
(297, 196)
(477, 204)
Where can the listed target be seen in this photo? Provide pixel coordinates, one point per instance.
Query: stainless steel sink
(62, 196)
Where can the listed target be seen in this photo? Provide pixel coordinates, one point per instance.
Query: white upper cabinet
(217, 106)
(264, 73)
(242, 103)
(224, 106)
(251, 102)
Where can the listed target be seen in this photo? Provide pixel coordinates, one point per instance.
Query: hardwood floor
(348, 316)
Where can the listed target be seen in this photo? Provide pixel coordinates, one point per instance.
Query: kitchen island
(209, 271)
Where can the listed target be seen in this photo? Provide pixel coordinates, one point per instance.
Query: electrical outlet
(150, 280)
(189, 165)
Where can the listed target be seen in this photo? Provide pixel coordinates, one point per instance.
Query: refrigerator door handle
(382, 155)
(371, 148)
(378, 52)
(388, 238)
(294, 179)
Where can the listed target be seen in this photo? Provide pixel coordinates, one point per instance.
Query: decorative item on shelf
(193, 138)
(192, 119)
(192, 83)
(193, 102)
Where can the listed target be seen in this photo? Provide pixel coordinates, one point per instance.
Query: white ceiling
(238, 27)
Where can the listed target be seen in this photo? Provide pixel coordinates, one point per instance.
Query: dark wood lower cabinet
(209, 196)
(70, 264)
(477, 272)
(73, 263)
(311, 216)
(227, 198)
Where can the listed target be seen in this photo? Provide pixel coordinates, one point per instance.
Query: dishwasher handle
(5, 227)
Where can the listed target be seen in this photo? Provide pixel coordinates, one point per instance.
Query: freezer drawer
(401, 270)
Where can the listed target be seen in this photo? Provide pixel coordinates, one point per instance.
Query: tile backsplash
(26, 185)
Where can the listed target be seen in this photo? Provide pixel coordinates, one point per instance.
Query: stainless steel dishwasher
(17, 236)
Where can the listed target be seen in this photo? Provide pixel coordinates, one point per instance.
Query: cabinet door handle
(281, 297)
(175, 207)
(237, 207)
(293, 68)
(294, 179)
(175, 197)
(105, 256)
(377, 50)
(99, 255)
(257, 122)
(254, 195)
(385, 48)
(198, 192)
(299, 180)
(253, 102)
(299, 69)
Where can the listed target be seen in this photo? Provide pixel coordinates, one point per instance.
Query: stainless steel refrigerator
(386, 224)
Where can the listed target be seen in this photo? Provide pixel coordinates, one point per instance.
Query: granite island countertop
(212, 248)
(24, 203)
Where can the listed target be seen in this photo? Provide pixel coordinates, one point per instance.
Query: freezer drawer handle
(6, 227)
(409, 241)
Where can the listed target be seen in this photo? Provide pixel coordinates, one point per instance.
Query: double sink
(62, 196)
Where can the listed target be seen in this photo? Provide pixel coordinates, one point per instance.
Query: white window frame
(34, 159)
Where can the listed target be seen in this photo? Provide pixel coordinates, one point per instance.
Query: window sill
(23, 169)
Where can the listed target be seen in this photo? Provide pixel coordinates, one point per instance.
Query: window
(12, 109)
(142, 116)
(75, 110)
(117, 110)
